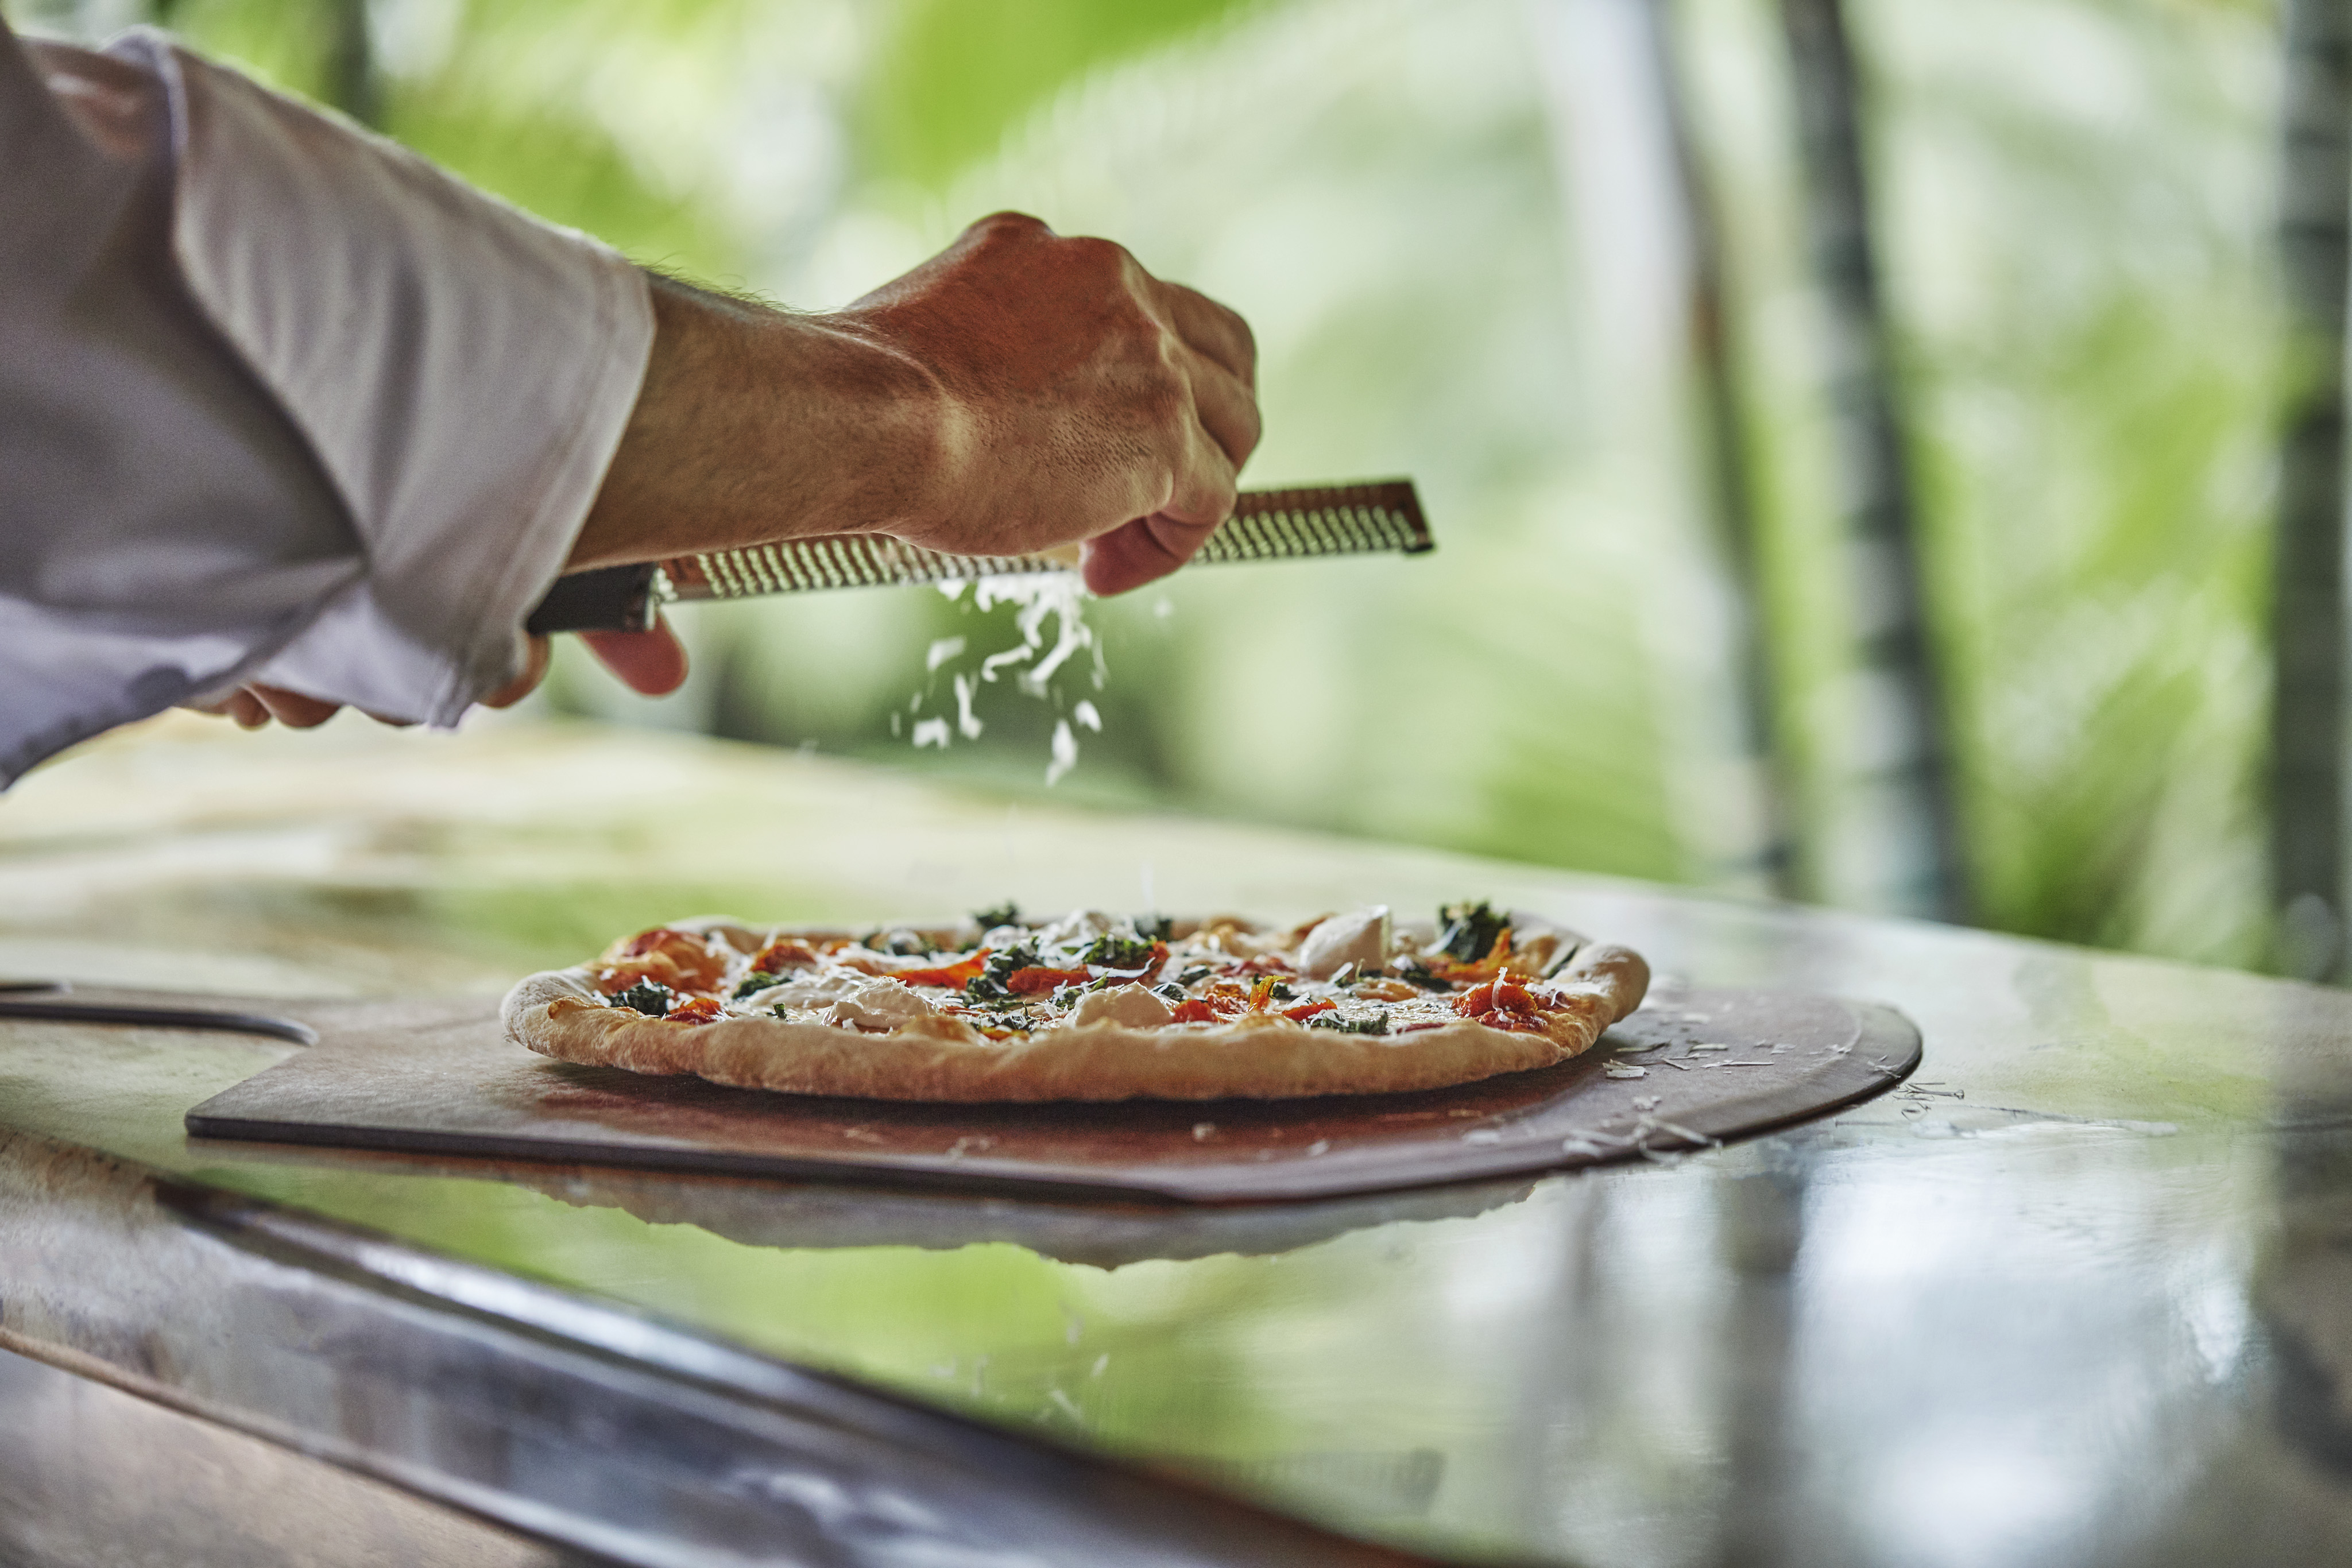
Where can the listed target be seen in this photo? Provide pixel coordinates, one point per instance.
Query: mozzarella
(817, 991)
(1130, 1005)
(879, 1005)
(1359, 937)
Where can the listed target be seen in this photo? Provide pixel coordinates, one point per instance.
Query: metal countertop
(2080, 1292)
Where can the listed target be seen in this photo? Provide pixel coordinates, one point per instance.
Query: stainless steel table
(2080, 1293)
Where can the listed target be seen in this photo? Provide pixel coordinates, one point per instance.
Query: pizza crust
(1257, 1056)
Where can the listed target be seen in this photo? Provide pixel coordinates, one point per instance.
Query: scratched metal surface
(2079, 1292)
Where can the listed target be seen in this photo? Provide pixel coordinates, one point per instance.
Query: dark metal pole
(2308, 632)
(1910, 773)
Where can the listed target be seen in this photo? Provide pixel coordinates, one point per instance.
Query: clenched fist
(1018, 392)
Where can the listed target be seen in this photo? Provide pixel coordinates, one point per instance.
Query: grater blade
(1266, 525)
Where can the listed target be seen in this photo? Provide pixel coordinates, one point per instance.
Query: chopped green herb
(650, 998)
(757, 980)
(1413, 972)
(899, 943)
(1339, 1023)
(1006, 913)
(989, 983)
(1281, 993)
(1467, 931)
(1112, 951)
(1155, 927)
(1173, 991)
(1193, 975)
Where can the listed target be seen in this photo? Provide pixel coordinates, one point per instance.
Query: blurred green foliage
(2074, 226)
(951, 78)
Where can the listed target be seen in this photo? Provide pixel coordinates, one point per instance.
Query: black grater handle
(610, 598)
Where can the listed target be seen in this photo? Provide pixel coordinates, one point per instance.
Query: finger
(243, 706)
(293, 709)
(1225, 407)
(534, 669)
(1138, 552)
(1212, 330)
(650, 662)
(1203, 487)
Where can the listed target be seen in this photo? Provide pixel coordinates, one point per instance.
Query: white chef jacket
(278, 401)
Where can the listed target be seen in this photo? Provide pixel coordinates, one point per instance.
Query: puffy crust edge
(558, 1015)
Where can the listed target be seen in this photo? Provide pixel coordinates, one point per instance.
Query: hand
(1105, 405)
(650, 662)
(1018, 391)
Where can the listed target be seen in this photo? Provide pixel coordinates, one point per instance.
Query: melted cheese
(879, 1005)
(1130, 1005)
(1359, 937)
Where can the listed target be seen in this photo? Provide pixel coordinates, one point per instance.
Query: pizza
(1088, 1006)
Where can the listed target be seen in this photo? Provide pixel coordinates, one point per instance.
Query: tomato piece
(1306, 1010)
(954, 975)
(692, 965)
(1025, 982)
(1261, 992)
(1195, 1011)
(613, 978)
(694, 1009)
(782, 954)
(1496, 965)
(646, 942)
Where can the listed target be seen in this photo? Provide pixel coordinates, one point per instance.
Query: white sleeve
(278, 401)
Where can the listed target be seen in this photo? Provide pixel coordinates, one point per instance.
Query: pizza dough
(1088, 1006)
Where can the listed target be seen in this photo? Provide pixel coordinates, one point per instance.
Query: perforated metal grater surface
(1266, 525)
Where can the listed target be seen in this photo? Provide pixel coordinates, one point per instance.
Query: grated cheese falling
(1059, 596)
(1065, 753)
(967, 724)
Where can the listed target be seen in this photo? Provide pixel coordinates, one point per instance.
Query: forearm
(757, 424)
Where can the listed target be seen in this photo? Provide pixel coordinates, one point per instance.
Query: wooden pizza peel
(1692, 1068)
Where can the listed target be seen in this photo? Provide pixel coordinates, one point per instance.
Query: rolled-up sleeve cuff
(462, 371)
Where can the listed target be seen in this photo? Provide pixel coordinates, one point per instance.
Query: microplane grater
(1266, 525)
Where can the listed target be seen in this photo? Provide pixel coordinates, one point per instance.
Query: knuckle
(1243, 336)
(1009, 225)
(1102, 255)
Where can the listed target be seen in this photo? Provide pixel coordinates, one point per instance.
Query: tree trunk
(2307, 604)
(352, 82)
(1905, 795)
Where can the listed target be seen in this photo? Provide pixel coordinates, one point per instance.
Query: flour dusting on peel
(1058, 596)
